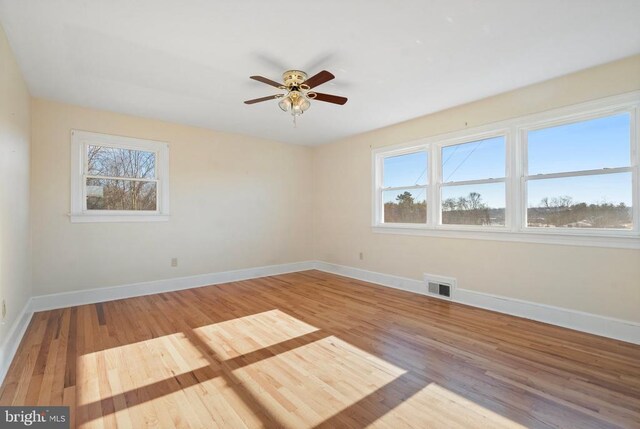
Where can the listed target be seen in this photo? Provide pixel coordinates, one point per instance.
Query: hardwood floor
(313, 349)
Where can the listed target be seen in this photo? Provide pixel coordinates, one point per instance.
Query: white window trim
(439, 182)
(515, 131)
(79, 214)
(379, 189)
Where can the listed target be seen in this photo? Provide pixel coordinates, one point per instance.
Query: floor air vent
(441, 287)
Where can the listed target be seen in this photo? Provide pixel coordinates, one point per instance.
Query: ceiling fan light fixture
(295, 102)
(299, 89)
(302, 103)
(285, 104)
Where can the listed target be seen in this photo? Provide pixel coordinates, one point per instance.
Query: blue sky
(591, 145)
(594, 144)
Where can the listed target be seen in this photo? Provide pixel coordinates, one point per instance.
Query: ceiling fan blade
(335, 99)
(319, 79)
(258, 100)
(267, 81)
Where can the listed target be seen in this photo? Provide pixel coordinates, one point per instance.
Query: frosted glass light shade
(285, 104)
(295, 102)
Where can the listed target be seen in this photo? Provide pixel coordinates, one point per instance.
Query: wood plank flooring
(313, 349)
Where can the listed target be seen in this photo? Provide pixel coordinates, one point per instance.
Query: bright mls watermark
(34, 417)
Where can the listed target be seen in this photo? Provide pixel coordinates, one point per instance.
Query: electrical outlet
(174, 262)
(361, 256)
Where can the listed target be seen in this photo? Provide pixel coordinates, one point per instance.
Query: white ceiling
(189, 61)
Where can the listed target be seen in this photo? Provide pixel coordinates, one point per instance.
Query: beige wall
(239, 202)
(236, 202)
(596, 280)
(15, 270)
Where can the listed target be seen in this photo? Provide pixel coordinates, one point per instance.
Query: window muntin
(587, 181)
(473, 183)
(404, 188)
(118, 178)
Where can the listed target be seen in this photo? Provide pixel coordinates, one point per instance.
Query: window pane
(482, 159)
(586, 145)
(108, 194)
(405, 206)
(473, 204)
(405, 170)
(600, 201)
(117, 162)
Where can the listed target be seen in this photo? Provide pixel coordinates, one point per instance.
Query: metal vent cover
(440, 286)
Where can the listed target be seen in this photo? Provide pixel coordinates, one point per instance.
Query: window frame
(379, 189)
(632, 168)
(439, 182)
(515, 133)
(80, 140)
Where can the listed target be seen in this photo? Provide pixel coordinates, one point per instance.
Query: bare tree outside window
(479, 204)
(563, 212)
(470, 210)
(121, 179)
(551, 212)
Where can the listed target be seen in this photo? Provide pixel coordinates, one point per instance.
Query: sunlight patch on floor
(170, 379)
(219, 375)
(306, 385)
(168, 354)
(243, 335)
(139, 380)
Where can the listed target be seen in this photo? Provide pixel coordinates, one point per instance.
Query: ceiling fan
(299, 91)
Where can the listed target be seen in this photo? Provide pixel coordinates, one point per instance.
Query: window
(473, 183)
(568, 176)
(118, 179)
(580, 175)
(404, 188)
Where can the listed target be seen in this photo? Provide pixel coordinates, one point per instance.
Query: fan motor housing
(294, 78)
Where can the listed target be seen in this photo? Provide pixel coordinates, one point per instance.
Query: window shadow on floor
(433, 345)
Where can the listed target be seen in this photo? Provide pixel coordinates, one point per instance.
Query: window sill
(91, 218)
(543, 237)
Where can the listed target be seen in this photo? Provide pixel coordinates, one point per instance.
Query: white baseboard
(610, 327)
(11, 342)
(604, 326)
(92, 296)
(403, 283)
(572, 319)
